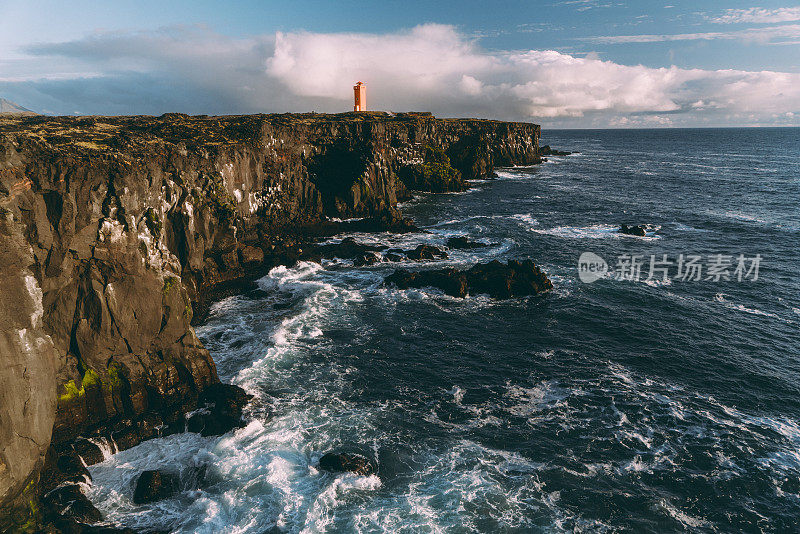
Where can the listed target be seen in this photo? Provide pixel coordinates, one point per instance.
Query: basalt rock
(67, 510)
(346, 462)
(69, 501)
(426, 252)
(451, 281)
(154, 485)
(547, 151)
(514, 279)
(500, 281)
(637, 230)
(113, 229)
(347, 248)
(61, 468)
(370, 258)
(463, 242)
(222, 409)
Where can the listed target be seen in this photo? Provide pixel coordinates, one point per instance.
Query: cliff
(112, 228)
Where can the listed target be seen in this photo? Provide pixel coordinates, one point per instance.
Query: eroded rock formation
(113, 228)
(501, 281)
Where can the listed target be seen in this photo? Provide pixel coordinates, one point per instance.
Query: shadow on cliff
(334, 172)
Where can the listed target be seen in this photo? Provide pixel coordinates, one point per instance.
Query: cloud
(758, 15)
(584, 5)
(783, 34)
(429, 67)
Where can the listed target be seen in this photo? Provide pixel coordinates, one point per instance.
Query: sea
(657, 392)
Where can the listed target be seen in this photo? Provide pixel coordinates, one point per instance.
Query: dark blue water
(620, 405)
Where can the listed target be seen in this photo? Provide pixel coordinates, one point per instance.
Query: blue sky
(572, 63)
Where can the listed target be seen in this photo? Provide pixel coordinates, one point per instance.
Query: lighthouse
(360, 91)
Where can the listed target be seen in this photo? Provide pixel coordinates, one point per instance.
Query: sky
(559, 63)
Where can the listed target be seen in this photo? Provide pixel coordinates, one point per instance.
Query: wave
(686, 228)
(595, 231)
(720, 297)
(526, 218)
(518, 173)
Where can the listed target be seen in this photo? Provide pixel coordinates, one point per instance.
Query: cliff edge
(113, 228)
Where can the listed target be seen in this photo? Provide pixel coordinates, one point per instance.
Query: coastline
(118, 224)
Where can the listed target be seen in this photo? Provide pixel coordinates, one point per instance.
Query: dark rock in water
(223, 412)
(516, 278)
(69, 501)
(345, 462)
(72, 468)
(501, 281)
(426, 252)
(66, 509)
(451, 281)
(393, 256)
(463, 242)
(388, 222)
(637, 230)
(370, 258)
(347, 248)
(199, 422)
(88, 451)
(61, 468)
(547, 151)
(154, 485)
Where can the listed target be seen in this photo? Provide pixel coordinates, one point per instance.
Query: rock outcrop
(638, 230)
(342, 462)
(220, 412)
(114, 229)
(514, 279)
(464, 242)
(547, 151)
(154, 485)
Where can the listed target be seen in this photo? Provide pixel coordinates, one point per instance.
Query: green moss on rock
(153, 222)
(114, 377)
(169, 283)
(72, 391)
(434, 174)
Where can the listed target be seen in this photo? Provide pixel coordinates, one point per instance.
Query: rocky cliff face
(111, 227)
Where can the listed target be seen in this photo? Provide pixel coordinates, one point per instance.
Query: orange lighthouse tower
(360, 91)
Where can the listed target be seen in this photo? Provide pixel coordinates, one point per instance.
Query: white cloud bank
(430, 67)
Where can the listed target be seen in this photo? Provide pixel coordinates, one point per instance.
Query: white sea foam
(107, 446)
(594, 231)
(685, 519)
(720, 297)
(518, 174)
(526, 218)
(529, 401)
(686, 228)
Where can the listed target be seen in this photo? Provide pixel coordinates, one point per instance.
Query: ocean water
(620, 405)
